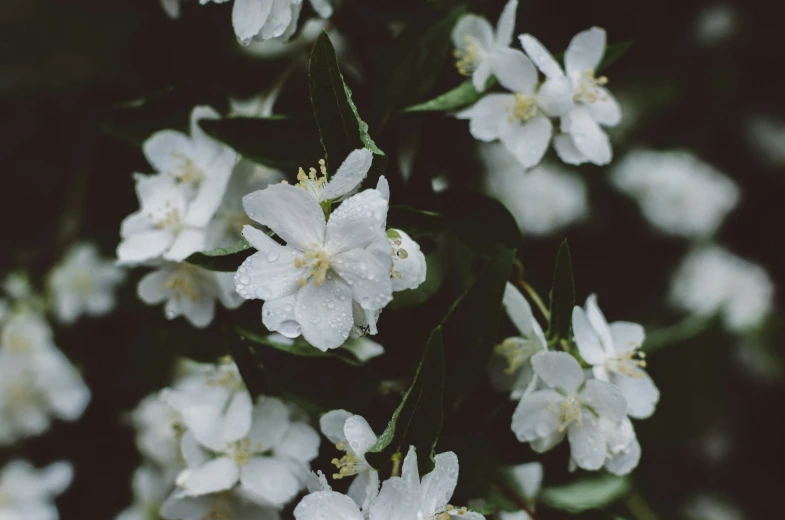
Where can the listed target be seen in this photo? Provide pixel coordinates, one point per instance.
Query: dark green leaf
(461, 96)
(299, 348)
(613, 53)
(279, 142)
(413, 63)
(340, 126)
(418, 419)
(562, 296)
(586, 494)
(415, 222)
(223, 259)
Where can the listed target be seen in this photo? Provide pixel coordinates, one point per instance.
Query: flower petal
(626, 460)
(481, 74)
(558, 370)
(566, 150)
(364, 488)
(472, 29)
(273, 480)
(144, 246)
(269, 275)
(349, 175)
(291, 212)
(300, 443)
(278, 315)
(627, 336)
(409, 268)
(587, 443)
(322, 8)
(410, 473)
(368, 278)
(540, 56)
(605, 399)
(529, 478)
(248, 17)
(396, 501)
(357, 221)
(152, 287)
(439, 485)
(279, 20)
(555, 96)
(529, 141)
(269, 423)
(585, 51)
(216, 475)
(165, 150)
(506, 25)
(332, 424)
(536, 416)
(236, 421)
(605, 110)
(518, 309)
(212, 189)
(187, 242)
(599, 323)
(586, 338)
(639, 391)
(587, 136)
(488, 116)
(205, 149)
(359, 434)
(514, 70)
(327, 505)
(325, 312)
(192, 452)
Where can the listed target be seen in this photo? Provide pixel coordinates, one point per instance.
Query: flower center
(19, 343)
(518, 350)
(83, 283)
(21, 394)
(449, 511)
(225, 376)
(242, 451)
(467, 58)
(588, 88)
(313, 183)
(316, 262)
(628, 363)
(524, 108)
(219, 511)
(186, 172)
(169, 218)
(570, 412)
(349, 464)
(182, 283)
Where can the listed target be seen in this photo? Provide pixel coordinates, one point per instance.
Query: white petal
(566, 150)
(586, 338)
(278, 315)
(529, 478)
(506, 25)
(322, 8)
(144, 246)
(587, 443)
(165, 150)
(488, 116)
(332, 423)
(409, 269)
(410, 473)
(639, 391)
(152, 287)
(359, 434)
(514, 71)
(357, 221)
(206, 149)
(585, 51)
(529, 141)
(269, 275)
(301, 442)
(536, 415)
(555, 96)
(439, 484)
(201, 411)
(198, 312)
(236, 421)
(269, 423)
(518, 309)
(383, 187)
(56, 477)
(211, 189)
(248, 17)
(606, 110)
(558, 370)
(327, 505)
(481, 74)
(588, 137)
(605, 399)
(368, 278)
(63, 386)
(364, 349)
(194, 455)
(291, 212)
(178, 507)
(627, 336)
(472, 29)
(280, 19)
(349, 176)
(626, 460)
(187, 242)
(599, 323)
(325, 312)
(273, 480)
(216, 475)
(396, 501)
(364, 489)
(540, 56)
(226, 290)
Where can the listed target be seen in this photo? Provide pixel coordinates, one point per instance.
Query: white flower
(624, 450)
(408, 262)
(543, 200)
(614, 353)
(571, 407)
(159, 428)
(345, 181)
(511, 370)
(178, 202)
(476, 44)
(17, 286)
(592, 105)
(677, 192)
(265, 19)
(528, 477)
(321, 505)
(188, 291)
(707, 507)
(84, 283)
(221, 506)
(519, 119)
(28, 494)
(149, 491)
(766, 134)
(171, 8)
(712, 281)
(353, 435)
(364, 349)
(269, 458)
(310, 283)
(716, 23)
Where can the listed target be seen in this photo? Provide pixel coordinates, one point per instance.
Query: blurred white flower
(614, 352)
(511, 370)
(571, 406)
(310, 283)
(716, 23)
(528, 479)
(353, 435)
(766, 135)
(707, 507)
(159, 428)
(590, 105)
(543, 200)
(477, 44)
(188, 291)
(149, 491)
(83, 283)
(17, 286)
(269, 457)
(229, 505)
(27, 493)
(171, 8)
(678, 193)
(177, 203)
(712, 281)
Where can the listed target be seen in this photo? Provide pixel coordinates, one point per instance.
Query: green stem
(638, 507)
(536, 299)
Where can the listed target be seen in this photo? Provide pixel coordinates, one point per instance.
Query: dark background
(68, 69)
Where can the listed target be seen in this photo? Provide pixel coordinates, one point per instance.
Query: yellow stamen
(525, 108)
(316, 261)
(518, 350)
(588, 89)
(312, 182)
(468, 58)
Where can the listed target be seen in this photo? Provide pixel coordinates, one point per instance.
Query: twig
(510, 493)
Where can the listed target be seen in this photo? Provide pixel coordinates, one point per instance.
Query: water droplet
(272, 256)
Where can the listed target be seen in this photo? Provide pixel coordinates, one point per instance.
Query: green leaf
(613, 53)
(414, 61)
(591, 493)
(415, 222)
(340, 126)
(277, 142)
(299, 348)
(418, 419)
(223, 259)
(562, 296)
(461, 96)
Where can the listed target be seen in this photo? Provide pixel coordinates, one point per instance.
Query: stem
(535, 298)
(680, 332)
(396, 469)
(510, 493)
(639, 508)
